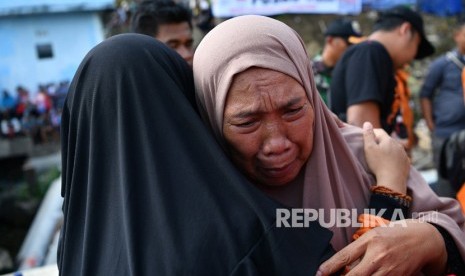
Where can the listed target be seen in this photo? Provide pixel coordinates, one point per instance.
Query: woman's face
(268, 126)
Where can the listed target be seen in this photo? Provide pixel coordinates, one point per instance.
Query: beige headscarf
(336, 174)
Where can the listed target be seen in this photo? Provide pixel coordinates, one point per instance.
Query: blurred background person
(442, 99)
(340, 34)
(203, 15)
(167, 21)
(368, 82)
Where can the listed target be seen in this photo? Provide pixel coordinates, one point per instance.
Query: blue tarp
(436, 7)
(386, 4)
(441, 7)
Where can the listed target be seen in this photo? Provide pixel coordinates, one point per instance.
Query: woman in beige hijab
(256, 91)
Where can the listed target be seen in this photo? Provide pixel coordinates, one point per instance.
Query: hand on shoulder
(386, 158)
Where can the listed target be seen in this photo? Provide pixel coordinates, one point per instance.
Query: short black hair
(150, 14)
(391, 23)
(388, 23)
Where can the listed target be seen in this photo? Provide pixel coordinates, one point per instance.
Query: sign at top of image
(231, 8)
(19, 7)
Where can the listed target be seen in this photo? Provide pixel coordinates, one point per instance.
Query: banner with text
(231, 8)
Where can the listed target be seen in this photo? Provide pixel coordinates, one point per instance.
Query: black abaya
(147, 190)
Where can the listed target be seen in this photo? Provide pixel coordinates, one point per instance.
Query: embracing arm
(407, 247)
(385, 250)
(386, 158)
(401, 249)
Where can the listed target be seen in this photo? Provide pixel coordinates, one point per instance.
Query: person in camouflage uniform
(340, 34)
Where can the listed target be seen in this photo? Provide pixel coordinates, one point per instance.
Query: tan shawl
(336, 174)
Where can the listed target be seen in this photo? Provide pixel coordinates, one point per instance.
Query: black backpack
(452, 162)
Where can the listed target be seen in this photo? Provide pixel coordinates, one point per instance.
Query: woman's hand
(402, 248)
(386, 158)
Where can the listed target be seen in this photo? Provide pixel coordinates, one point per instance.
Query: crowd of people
(365, 88)
(180, 166)
(37, 116)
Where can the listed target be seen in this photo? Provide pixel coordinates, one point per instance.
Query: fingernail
(366, 126)
(319, 273)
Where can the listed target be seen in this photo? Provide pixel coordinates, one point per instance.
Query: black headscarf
(147, 191)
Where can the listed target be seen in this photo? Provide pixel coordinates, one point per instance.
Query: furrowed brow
(247, 113)
(291, 102)
(256, 111)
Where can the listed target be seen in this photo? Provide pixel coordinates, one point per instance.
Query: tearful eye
(246, 124)
(292, 114)
(294, 110)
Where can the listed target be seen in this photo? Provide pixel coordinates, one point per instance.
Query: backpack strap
(453, 57)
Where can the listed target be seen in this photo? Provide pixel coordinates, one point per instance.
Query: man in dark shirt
(362, 88)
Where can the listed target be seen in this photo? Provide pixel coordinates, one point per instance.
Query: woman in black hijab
(147, 190)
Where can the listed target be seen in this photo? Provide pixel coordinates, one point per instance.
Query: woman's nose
(276, 141)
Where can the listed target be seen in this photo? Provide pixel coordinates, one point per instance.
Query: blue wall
(71, 36)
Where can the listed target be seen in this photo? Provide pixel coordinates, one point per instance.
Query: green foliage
(45, 179)
(25, 191)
